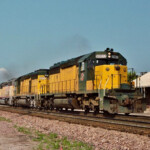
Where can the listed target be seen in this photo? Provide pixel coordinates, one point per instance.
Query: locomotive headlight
(109, 55)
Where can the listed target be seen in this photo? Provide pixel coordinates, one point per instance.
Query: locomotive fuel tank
(3, 101)
(21, 102)
(66, 103)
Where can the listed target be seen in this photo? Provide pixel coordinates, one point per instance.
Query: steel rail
(125, 124)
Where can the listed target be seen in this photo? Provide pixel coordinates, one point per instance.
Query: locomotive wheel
(86, 109)
(45, 104)
(106, 113)
(6, 101)
(96, 109)
(51, 107)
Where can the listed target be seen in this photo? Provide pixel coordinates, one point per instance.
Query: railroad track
(132, 123)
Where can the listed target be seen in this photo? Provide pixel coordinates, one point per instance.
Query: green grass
(23, 130)
(4, 119)
(52, 141)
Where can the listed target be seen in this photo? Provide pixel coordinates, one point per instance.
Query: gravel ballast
(98, 137)
(11, 139)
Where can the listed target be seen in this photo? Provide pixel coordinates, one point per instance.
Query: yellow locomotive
(95, 81)
(7, 92)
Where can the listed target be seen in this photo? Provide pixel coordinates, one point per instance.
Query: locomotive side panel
(24, 86)
(69, 79)
(4, 93)
(55, 84)
(66, 81)
(33, 85)
(41, 84)
(7, 92)
(11, 91)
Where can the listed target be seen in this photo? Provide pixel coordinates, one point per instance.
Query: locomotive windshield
(97, 62)
(103, 62)
(108, 58)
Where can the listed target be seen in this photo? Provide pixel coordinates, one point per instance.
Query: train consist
(95, 81)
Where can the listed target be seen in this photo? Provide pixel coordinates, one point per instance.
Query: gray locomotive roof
(37, 72)
(84, 57)
(77, 60)
(9, 82)
(69, 62)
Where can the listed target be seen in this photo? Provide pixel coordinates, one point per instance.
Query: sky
(36, 34)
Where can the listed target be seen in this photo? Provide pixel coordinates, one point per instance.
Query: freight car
(95, 81)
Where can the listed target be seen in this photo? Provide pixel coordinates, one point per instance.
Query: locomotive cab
(104, 75)
(116, 95)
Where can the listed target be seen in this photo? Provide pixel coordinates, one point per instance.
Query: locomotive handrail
(119, 80)
(98, 80)
(105, 85)
(99, 87)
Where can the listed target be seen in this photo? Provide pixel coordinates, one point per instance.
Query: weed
(52, 141)
(23, 130)
(4, 119)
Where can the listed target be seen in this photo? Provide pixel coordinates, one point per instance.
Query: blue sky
(38, 33)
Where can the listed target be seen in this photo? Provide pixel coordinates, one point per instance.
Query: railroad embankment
(97, 137)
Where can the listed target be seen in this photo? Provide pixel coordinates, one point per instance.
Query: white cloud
(3, 74)
(3, 70)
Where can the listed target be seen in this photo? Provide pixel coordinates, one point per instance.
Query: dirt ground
(100, 138)
(11, 139)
